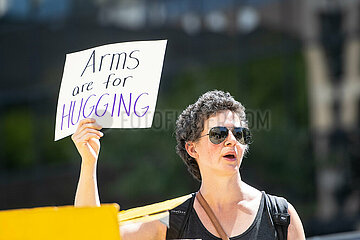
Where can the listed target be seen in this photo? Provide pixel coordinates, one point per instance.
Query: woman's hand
(86, 139)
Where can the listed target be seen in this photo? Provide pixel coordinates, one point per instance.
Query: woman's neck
(223, 190)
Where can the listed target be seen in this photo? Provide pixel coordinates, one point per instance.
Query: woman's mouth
(230, 157)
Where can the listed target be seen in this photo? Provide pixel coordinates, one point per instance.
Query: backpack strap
(179, 216)
(278, 209)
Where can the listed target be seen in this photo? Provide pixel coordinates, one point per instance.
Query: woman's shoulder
(250, 192)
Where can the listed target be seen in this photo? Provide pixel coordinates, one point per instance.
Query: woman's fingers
(87, 124)
(88, 145)
(86, 139)
(95, 144)
(86, 133)
(86, 120)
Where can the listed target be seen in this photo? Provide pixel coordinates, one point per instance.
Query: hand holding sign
(115, 84)
(86, 139)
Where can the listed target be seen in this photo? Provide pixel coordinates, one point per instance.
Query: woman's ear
(191, 150)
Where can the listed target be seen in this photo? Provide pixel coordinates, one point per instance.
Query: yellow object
(60, 223)
(163, 216)
(88, 223)
(151, 209)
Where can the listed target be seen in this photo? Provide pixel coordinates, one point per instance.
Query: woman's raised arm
(86, 139)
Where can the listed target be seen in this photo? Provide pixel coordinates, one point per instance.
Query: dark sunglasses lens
(247, 136)
(218, 134)
(243, 135)
(238, 133)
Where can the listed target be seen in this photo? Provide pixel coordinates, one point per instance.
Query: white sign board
(116, 84)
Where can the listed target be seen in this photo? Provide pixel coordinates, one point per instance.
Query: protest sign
(116, 84)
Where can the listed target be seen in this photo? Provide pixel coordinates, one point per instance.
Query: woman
(212, 138)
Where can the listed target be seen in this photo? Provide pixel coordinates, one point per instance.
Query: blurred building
(329, 31)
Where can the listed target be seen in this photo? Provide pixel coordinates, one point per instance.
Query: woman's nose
(230, 140)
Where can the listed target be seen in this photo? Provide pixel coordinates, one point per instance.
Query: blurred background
(294, 64)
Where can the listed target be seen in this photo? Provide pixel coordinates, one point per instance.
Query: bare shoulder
(251, 192)
(295, 230)
(144, 231)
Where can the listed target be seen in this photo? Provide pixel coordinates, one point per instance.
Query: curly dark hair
(190, 122)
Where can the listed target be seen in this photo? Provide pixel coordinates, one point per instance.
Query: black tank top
(262, 227)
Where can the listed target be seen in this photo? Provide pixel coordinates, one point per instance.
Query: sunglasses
(218, 134)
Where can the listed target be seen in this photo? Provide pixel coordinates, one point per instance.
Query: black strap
(278, 208)
(220, 230)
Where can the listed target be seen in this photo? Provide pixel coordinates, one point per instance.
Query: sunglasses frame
(244, 140)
